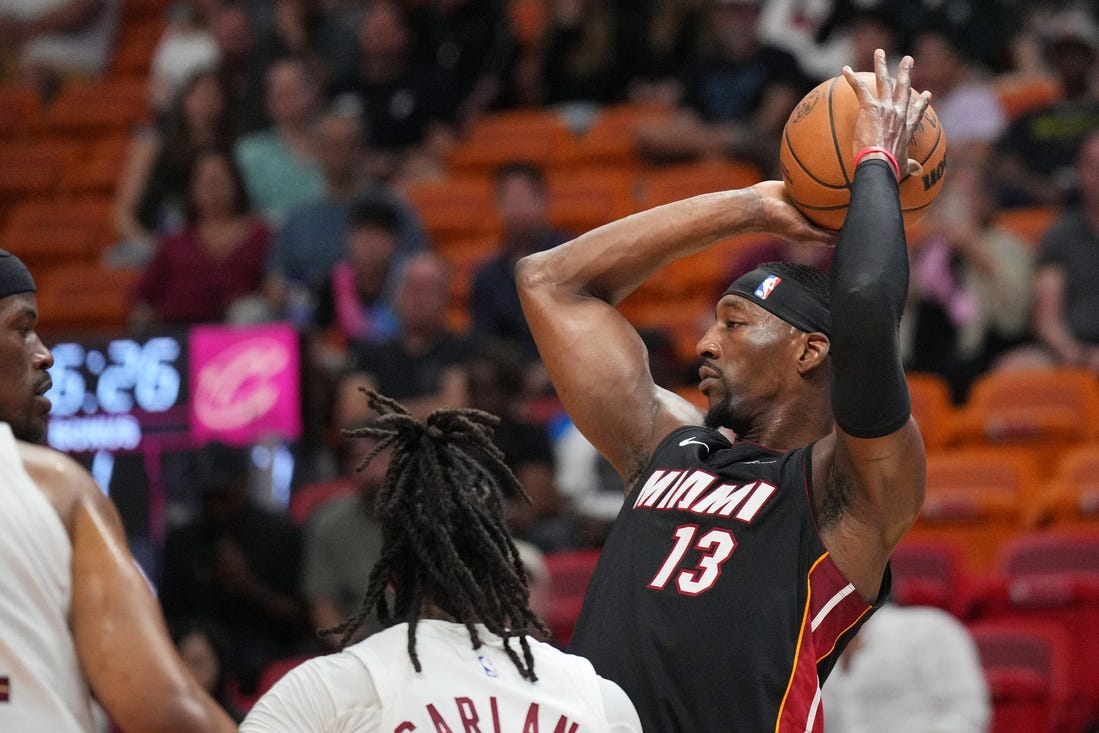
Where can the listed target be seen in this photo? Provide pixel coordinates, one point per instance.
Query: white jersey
(41, 686)
(372, 687)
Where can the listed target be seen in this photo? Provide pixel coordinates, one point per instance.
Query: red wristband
(878, 149)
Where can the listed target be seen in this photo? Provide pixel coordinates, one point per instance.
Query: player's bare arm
(875, 484)
(594, 356)
(121, 639)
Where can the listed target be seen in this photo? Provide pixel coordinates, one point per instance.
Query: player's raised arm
(595, 358)
(874, 465)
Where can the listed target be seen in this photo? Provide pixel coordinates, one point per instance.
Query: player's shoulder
(59, 476)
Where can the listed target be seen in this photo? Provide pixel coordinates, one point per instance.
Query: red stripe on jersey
(835, 606)
(832, 607)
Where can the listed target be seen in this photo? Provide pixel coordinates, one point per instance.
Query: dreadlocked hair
(441, 510)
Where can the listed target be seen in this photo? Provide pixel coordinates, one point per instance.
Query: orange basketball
(817, 156)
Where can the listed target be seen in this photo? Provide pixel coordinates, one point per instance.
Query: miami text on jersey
(694, 491)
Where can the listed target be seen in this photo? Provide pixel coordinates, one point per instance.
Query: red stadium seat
(1028, 670)
(309, 497)
(570, 573)
(1053, 578)
(931, 573)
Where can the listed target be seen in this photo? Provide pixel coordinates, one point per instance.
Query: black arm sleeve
(869, 287)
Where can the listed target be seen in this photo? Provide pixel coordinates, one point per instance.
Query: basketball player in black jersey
(736, 572)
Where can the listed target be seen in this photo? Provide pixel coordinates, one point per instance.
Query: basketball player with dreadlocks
(737, 571)
(456, 655)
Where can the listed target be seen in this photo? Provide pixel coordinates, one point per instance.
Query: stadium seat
(585, 198)
(570, 573)
(20, 110)
(1028, 224)
(1070, 499)
(1020, 95)
(307, 498)
(931, 573)
(83, 296)
(34, 169)
(459, 206)
(538, 136)
(664, 185)
(47, 233)
(111, 105)
(932, 408)
(1028, 670)
(976, 498)
(464, 254)
(100, 169)
(1044, 409)
(1052, 577)
(136, 45)
(611, 139)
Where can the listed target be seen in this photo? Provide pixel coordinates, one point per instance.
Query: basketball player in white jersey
(77, 618)
(459, 657)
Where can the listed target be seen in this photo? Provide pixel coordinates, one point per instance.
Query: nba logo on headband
(767, 286)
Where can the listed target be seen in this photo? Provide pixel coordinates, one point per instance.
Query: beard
(718, 416)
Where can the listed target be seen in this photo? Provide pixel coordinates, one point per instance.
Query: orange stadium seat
(664, 185)
(977, 499)
(612, 137)
(585, 198)
(1020, 95)
(538, 136)
(1029, 224)
(1045, 408)
(460, 206)
(46, 233)
(528, 20)
(100, 169)
(1070, 500)
(932, 407)
(34, 168)
(136, 45)
(1028, 671)
(20, 110)
(85, 296)
(111, 105)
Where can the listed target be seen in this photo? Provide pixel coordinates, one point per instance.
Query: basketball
(817, 155)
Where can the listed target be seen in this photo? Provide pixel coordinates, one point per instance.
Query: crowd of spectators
(268, 185)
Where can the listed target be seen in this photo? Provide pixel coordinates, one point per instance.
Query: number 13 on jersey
(716, 547)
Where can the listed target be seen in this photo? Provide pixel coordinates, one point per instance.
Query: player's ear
(814, 350)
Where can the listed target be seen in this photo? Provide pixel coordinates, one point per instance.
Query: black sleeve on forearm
(869, 287)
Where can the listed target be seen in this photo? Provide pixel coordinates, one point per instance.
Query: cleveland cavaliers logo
(767, 286)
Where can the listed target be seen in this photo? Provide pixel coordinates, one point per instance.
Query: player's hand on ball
(779, 216)
(890, 114)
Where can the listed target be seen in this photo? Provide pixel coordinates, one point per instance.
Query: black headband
(783, 297)
(14, 275)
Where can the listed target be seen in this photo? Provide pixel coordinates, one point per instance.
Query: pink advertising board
(245, 383)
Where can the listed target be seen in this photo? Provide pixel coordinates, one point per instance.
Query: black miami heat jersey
(715, 605)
